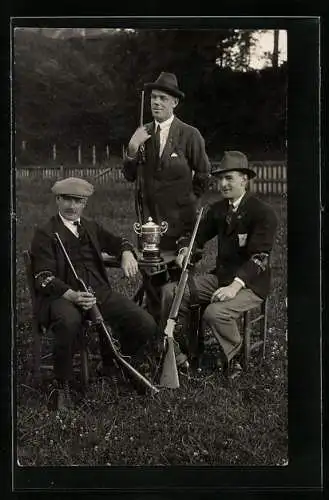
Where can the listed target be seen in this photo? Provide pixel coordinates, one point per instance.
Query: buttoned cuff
(239, 280)
(127, 157)
(127, 246)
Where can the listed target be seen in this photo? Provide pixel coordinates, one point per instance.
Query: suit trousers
(220, 317)
(131, 325)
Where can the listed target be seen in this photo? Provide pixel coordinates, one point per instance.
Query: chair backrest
(29, 275)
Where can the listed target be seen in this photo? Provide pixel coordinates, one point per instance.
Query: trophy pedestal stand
(152, 266)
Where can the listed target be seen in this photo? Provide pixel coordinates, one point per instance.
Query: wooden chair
(41, 333)
(250, 341)
(248, 325)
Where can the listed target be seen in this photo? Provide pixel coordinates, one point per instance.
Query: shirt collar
(165, 124)
(237, 202)
(68, 222)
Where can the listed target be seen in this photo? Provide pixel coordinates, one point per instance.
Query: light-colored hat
(73, 186)
(234, 160)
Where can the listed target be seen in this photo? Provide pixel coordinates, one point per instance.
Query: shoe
(236, 370)
(182, 362)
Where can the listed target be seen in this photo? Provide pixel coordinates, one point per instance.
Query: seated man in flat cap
(245, 228)
(59, 300)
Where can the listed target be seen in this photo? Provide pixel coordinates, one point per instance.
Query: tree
(275, 53)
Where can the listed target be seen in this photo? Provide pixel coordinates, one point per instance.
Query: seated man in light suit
(245, 228)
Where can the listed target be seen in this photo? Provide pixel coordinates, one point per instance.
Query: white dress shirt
(71, 225)
(164, 132)
(236, 203)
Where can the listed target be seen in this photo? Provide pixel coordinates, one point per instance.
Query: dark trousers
(131, 325)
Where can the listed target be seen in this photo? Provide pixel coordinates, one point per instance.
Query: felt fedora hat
(234, 160)
(166, 82)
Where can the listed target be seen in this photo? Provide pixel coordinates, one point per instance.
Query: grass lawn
(208, 421)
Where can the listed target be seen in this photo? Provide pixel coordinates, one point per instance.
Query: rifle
(169, 376)
(138, 185)
(97, 317)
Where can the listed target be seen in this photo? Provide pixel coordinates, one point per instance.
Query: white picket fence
(271, 176)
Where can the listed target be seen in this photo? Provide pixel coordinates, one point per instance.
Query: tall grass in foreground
(205, 422)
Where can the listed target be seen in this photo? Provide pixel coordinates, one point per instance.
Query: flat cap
(73, 186)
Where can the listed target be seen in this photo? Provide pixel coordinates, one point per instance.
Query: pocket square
(242, 239)
(173, 155)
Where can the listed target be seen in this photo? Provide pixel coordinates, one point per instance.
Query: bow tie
(80, 228)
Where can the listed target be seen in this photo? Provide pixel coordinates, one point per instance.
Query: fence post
(107, 152)
(23, 145)
(79, 154)
(54, 152)
(94, 155)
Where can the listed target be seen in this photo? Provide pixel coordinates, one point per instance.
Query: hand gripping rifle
(169, 376)
(97, 317)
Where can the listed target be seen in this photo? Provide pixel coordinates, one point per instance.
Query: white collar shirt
(164, 132)
(236, 203)
(71, 225)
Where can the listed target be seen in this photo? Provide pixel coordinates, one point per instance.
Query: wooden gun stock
(169, 376)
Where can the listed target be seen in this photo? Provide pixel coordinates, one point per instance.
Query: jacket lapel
(237, 215)
(90, 230)
(169, 146)
(58, 227)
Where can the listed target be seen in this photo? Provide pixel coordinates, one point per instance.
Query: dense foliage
(87, 90)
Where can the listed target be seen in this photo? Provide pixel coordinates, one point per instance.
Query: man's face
(233, 184)
(162, 105)
(70, 207)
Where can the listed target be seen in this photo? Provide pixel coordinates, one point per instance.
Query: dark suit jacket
(169, 190)
(244, 249)
(49, 267)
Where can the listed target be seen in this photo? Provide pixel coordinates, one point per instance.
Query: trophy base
(152, 266)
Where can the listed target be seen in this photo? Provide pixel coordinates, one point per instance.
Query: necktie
(157, 142)
(229, 215)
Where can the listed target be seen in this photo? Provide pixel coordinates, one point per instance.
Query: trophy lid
(150, 225)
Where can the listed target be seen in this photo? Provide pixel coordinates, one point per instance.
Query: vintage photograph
(150, 171)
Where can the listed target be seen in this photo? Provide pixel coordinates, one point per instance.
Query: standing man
(245, 229)
(59, 301)
(176, 169)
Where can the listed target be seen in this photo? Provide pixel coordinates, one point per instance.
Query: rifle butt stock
(169, 376)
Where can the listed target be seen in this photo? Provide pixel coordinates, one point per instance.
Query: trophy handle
(163, 227)
(137, 228)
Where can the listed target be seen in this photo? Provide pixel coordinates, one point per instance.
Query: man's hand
(139, 137)
(181, 256)
(226, 292)
(129, 264)
(85, 300)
